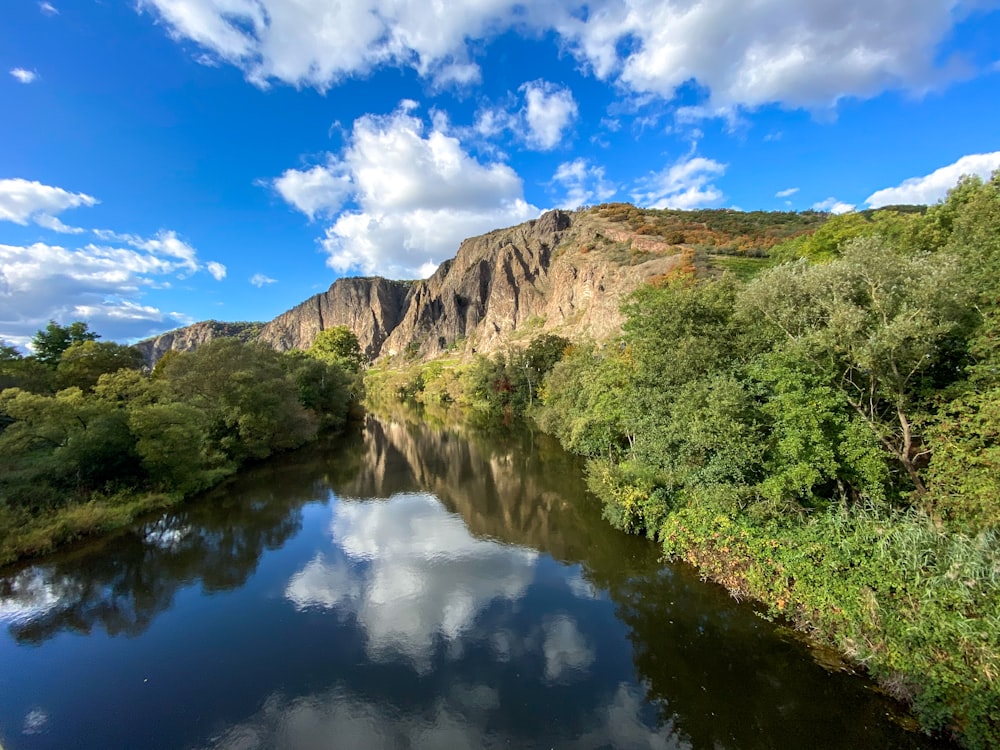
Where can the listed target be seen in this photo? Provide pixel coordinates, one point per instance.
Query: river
(407, 586)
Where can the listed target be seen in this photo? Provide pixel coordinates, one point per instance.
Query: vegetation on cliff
(88, 439)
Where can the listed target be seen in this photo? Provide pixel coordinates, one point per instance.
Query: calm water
(407, 587)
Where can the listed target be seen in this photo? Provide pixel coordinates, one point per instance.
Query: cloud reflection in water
(410, 573)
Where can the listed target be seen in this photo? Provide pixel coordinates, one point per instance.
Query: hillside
(565, 272)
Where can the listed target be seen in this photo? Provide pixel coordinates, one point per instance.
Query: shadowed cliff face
(562, 273)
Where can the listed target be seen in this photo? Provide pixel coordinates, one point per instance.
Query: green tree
(66, 441)
(338, 344)
(324, 387)
(85, 361)
(49, 343)
(586, 397)
(883, 327)
(252, 408)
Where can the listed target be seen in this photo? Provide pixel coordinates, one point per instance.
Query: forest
(90, 438)
(819, 435)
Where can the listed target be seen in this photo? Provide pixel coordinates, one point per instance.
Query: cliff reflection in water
(414, 586)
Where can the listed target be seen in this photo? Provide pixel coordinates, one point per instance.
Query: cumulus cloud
(787, 193)
(216, 270)
(549, 110)
(565, 649)
(457, 719)
(582, 183)
(539, 120)
(314, 43)
(744, 54)
(686, 184)
(413, 194)
(24, 75)
(800, 54)
(833, 206)
(259, 280)
(101, 284)
(23, 201)
(314, 191)
(934, 187)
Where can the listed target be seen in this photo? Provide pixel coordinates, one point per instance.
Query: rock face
(371, 307)
(193, 336)
(563, 273)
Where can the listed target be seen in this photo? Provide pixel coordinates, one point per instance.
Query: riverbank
(23, 535)
(916, 609)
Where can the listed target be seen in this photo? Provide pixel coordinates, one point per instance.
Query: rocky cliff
(193, 336)
(565, 273)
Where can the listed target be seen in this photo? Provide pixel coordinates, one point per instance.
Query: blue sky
(166, 161)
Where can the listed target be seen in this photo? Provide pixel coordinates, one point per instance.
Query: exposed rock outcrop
(371, 307)
(192, 336)
(563, 272)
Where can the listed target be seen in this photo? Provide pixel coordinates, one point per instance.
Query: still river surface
(414, 587)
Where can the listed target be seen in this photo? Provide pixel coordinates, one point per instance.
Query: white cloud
(745, 54)
(260, 280)
(22, 201)
(51, 222)
(934, 187)
(48, 9)
(216, 270)
(316, 43)
(103, 285)
(583, 183)
(786, 193)
(549, 110)
(23, 75)
(564, 648)
(415, 195)
(314, 191)
(833, 206)
(361, 716)
(540, 122)
(686, 184)
(800, 54)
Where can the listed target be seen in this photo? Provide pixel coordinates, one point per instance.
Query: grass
(919, 608)
(24, 535)
(742, 267)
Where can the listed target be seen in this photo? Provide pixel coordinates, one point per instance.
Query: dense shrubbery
(824, 438)
(86, 432)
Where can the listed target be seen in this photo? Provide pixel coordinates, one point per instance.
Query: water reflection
(459, 719)
(409, 587)
(121, 584)
(409, 572)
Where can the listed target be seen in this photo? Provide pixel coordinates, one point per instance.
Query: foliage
(49, 343)
(885, 327)
(115, 433)
(828, 241)
(339, 345)
(722, 230)
(83, 363)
